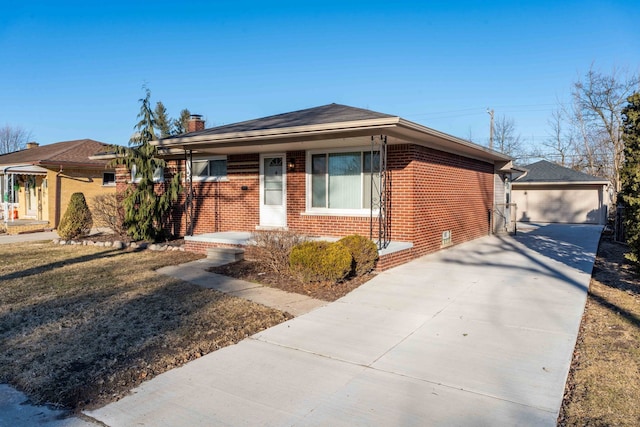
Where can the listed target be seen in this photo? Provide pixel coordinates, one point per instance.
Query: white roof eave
(26, 169)
(394, 126)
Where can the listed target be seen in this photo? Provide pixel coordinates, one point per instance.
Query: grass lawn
(604, 383)
(82, 325)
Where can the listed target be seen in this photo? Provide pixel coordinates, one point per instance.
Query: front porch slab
(394, 254)
(20, 226)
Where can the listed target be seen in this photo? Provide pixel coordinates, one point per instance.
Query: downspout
(188, 202)
(56, 218)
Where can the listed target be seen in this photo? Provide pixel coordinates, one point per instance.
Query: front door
(273, 191)
(32, 197)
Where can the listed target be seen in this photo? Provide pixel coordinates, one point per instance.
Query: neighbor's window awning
(23, 170)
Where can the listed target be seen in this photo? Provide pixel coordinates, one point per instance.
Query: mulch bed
(252, 271)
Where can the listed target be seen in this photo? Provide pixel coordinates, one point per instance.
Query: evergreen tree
(630, 175)
(180, 125)
(145, 209)
(163, 122)
(77, 219)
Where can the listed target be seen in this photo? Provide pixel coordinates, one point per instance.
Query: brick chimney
(32, 144)
(195, 123)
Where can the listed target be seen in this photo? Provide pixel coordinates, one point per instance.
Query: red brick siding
(224, 205)
(395, 259)
(431, 191)
(450, 193)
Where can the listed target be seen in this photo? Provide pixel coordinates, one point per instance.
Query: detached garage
(551, 193)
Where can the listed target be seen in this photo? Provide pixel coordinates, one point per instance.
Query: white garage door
(564, 204)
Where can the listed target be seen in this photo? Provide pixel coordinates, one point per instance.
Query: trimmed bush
(76, 220)
(363, 251)
(319, 261)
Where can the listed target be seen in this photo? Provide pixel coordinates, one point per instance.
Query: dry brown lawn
(82, 325)
(604, 383)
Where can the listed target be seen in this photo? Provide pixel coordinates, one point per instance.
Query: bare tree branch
(13, 138)
(597, 104)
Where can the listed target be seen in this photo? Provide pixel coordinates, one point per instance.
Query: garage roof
(545, 172)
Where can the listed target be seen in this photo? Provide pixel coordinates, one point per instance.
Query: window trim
(309, 209)
(109, 183)
(156, 180)
(222, 178)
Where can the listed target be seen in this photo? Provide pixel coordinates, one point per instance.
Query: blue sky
(71, 70)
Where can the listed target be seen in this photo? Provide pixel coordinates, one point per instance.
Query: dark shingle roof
(544, 171)
(331, 113)
(67, 152)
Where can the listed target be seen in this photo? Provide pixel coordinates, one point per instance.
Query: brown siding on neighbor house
(62, 184)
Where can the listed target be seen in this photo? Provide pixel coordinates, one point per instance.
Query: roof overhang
(398, 131)
(23, 170)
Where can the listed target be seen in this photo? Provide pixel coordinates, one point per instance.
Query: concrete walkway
(480, 334)
(196, 272)
(27, 237)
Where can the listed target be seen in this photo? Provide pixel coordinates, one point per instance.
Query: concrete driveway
(479, 334)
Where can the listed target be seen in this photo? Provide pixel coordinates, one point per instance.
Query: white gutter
(445, 136)
(281, 135)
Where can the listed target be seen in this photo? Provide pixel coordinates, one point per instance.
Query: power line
(480, 110)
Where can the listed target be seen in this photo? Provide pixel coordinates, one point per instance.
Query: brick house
(331, 171)
(36, 183)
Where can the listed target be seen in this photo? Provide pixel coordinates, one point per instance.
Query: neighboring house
(36, 183)
(548, 192)
(332, 171)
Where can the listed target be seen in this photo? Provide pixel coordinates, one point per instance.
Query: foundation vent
(446, 238)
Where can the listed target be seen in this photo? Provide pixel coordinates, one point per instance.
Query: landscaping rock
(118, 244)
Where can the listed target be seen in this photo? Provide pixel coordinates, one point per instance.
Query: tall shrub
(630, 175)
(146, 208)
(77, 219)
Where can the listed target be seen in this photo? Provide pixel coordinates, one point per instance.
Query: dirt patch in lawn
(81, 326)
(253, 271)
(604, 382)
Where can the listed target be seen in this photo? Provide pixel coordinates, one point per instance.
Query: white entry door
(273, 191)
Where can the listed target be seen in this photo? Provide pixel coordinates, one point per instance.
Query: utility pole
(490, 111)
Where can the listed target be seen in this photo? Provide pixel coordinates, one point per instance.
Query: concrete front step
(226, 255)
